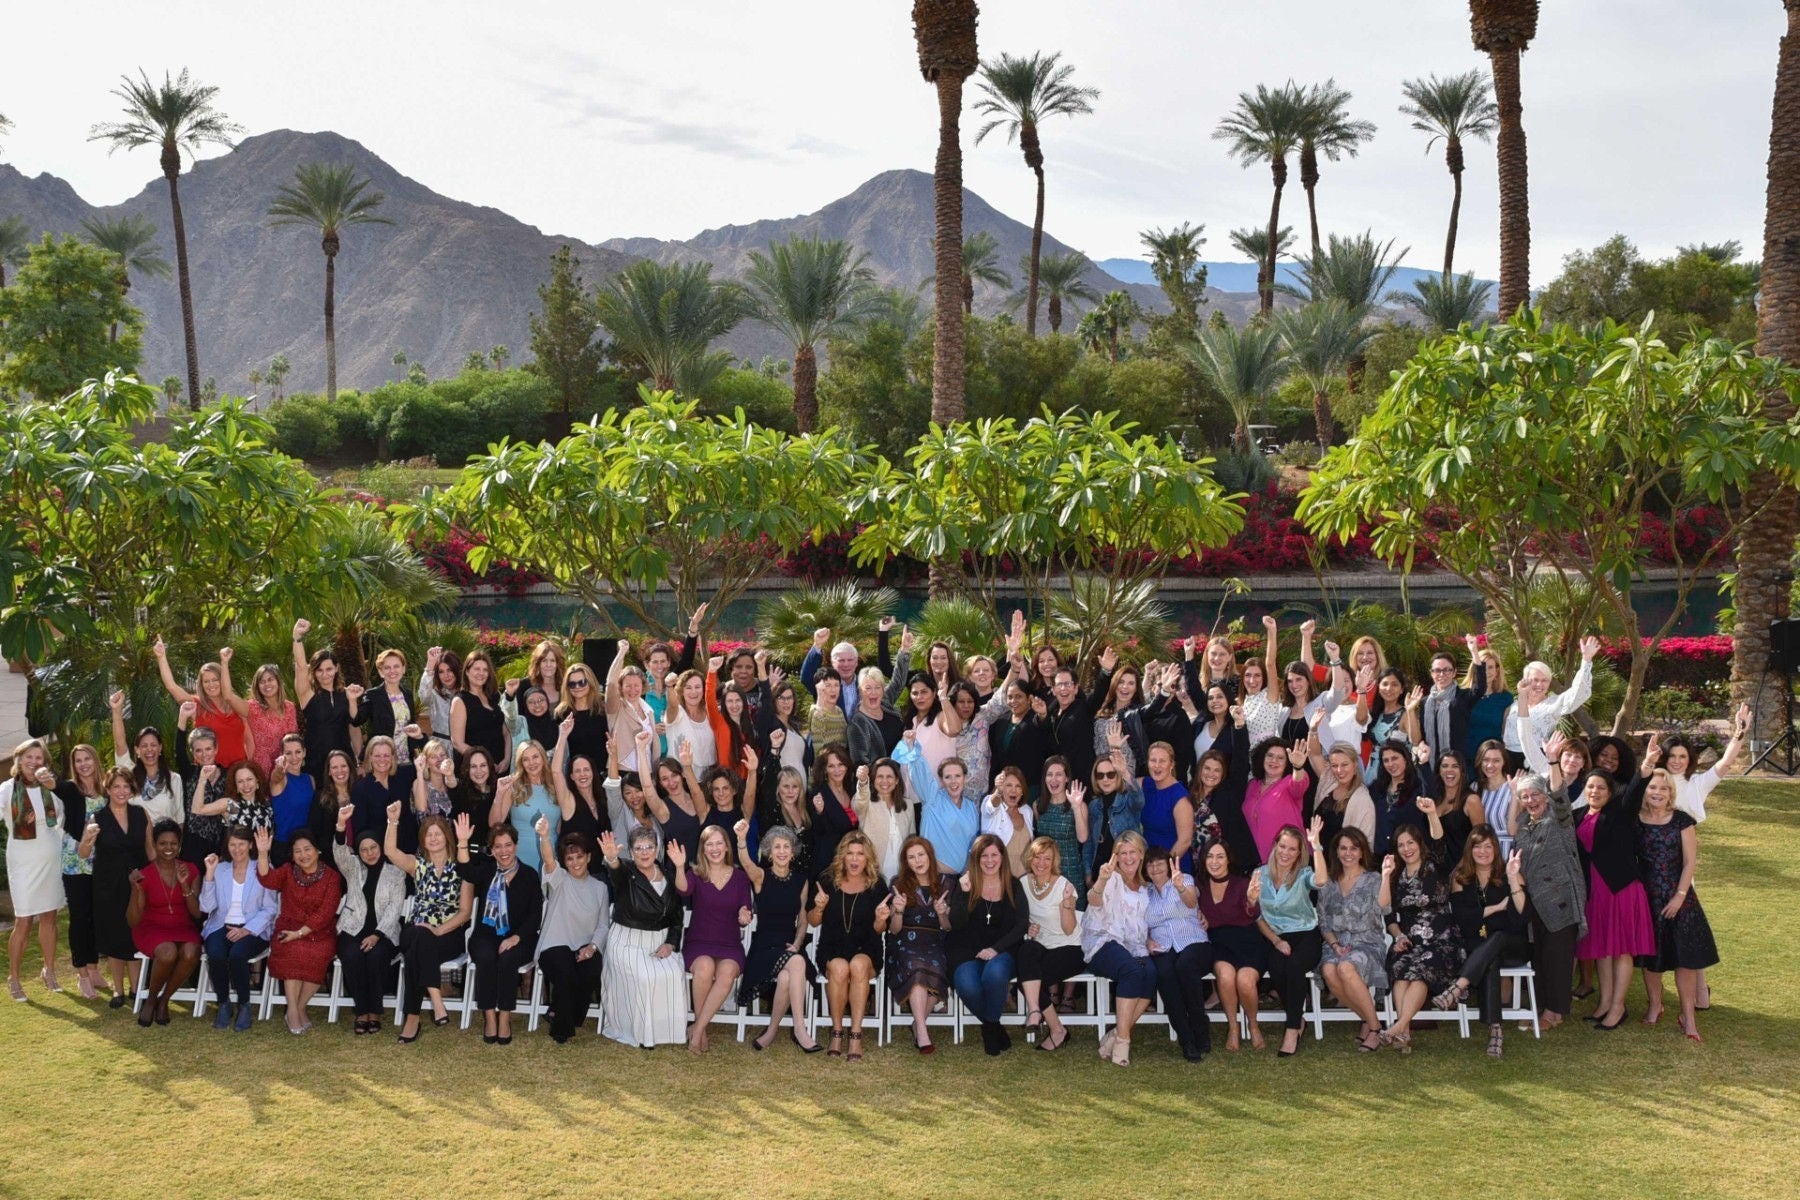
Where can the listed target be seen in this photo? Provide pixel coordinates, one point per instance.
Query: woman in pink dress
(269, 713)
(164, 914)
(1618, 908)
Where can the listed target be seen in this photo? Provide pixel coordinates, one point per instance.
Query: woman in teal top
(1283, 888)
(525, 796)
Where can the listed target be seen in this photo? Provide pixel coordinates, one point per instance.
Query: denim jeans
(229, 964)
(983, 986)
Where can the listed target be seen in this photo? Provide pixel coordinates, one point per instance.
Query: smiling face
(951, 775)
(1659, 793)
(1043, 864)
(1218, 656)
(149, 749)
(918, 861)
(724, 796)
(1394, 763)
(788, 791)
(1343, 768)
(1157, 869)
(1253, 682)
(869, 690)
(243, 782)
(670, 780)
(238, 849)
(1534, 682)
(1275, 762)
(505, 849)
(1299, 686)
(1044, 662)
(168, 847)
(830, 691)
(1017, 702)
(369, 851)
(212, 684)
(575, 860)
(785, 703)
(267, 686)
(1364, 654)
(643, 854)
(1493, 767)
(325, 674)
(1451, 772)
(1286, 853)
(1408, 848)
(658, 663)
(1161, 764)
(743, 672)
(1008, 790)
(431, 840)
(781, 853)
(293, 757)
(85, 765)
(1217, 702)
(843, 661)
(120, 790)
(1391, 690)
(478, 769)
(537, 704)
(446, 677)
(837, 769)
(734, 706)
(982, 673)
(938, 659)
(581, 774)
(1349, 855)
(1676, 760)
(693, 692)
(381, 759)
(305, 855)
(204, 750)
(712, 846)
(393, 670)
(965, 705)
(338, 770)
(1481, 851)
(478, 673)
(1128, 859)
(1218, 863)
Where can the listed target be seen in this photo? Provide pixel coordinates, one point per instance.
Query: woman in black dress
(121, 845)
(327, 707)
(1668, 855)
(850, 904)
(1427, 951)
(777, 955)
(475, 716)
(918, 963)
(82, 795)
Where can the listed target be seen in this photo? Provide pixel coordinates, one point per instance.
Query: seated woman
(777, 954)
(240, 916)
(1352, 960)
(442, 902)
(1282, 888)
(985, 929)
(721, 896)
(1427, 949)
(918, 964)
(645, 1004)
(1115, 941)
(505, 931)
(1240, 954)
(1488, 902)
(306, 931)
(848, 910)
(368, 926)
(164, 914)
(577, 916)
(1050, 955)
(1179, 951)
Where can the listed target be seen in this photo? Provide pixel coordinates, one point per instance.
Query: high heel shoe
(837, 1044)
(1121, 1052)
(49, 979)
(856, 1052)
(812, 1049)
(1602, 1027)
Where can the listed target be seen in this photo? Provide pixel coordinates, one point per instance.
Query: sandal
(1362, 1042)
(836, 1048)
(1053, 1043)
(1036, 1028)
(1450, 997)
(1403, 1042)
(856, 1054)
(1496, 1040)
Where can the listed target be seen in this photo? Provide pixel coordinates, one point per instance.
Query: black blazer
(1462, 703)
(376, 711)
(637, 906)
(1615, 852)
(524, 899)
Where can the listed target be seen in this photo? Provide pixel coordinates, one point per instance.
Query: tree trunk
(947, 357)
(1309, 179)
(1766, 545)
(1278, 168)
(1037, 249)
(1322, 418)
(1453, 157)
(1055, 314)
(806, 388)
(968, 295)
(171, 165)
(331, 250)
(1515, 198)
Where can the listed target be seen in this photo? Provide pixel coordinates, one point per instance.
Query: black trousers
(426, 953)
(1181, 982)
(574, 984)
(1482, 969)
(79, 890)
(366, 972)
(1288, 971)
(1050, 966)
(1553, 958)
(497, 971)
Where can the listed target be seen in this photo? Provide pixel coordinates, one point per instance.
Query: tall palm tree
(1253, 244)
(1355, 270)
(1175, 261)
(1447, 302)
(662, 315)
(15, 244)
(174, 116)
(1321, 341)
(1267, 125)
(893, 306)
(1502, 29)
(1327, 130)
(1020, 94)
(1451, 109)
(1243, 364)
(133, 239)
(808, 289)
(1766, 546)
(1060, 282)
(944, 31)
(328, 198)
(981, 263)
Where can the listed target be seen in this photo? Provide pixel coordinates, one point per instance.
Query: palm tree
(1501, 30)
(1452, 109)
(175, 116)
(1447, 302)
(892, 306)
(1175, 261)
(662, 315)
(1355, 270)
(1020, 94)
(133, 239)
(1267, 125)
(1113, 316)
(327, 198)
(1253, 244)
(1321, 341)
(981, 263)
(1327, 130)
(15, 244)
(808, 289)
(5, 125)
(1060, 282)
(1766, 546)
(944, 31)
(1243, 365)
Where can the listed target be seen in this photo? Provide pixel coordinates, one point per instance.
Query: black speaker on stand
(1783, 665)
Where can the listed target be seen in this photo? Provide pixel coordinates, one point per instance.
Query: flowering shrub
(827, 560)
(450, 558)
(1679, 661)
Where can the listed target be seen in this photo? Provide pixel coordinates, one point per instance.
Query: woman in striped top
(1496, 795)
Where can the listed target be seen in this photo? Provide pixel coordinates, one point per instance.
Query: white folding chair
(184, 995)
(1524, 995)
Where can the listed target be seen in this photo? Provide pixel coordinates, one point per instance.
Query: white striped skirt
(644, 997)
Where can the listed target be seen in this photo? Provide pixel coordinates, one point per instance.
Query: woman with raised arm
(875, 725)
(729, 715)
(1259, 689)
(1487, 719)
(291, 794)
(240, 920)
(536, 721)
(662, 663)
(1116, 806)
(441, 680)
(985, 930)
(918, 962)
(83, 795)
(1669, 853)
(628, 797)
(508, 912)
(305, 939)
(1341, 799)
(1619, 921)
(582, 699)
(1275, 797)
(1681, 759)
(1444, 717)
(1351, 961)
(777, 955)
(160, 790)
(688, 723)
(1050, 955)
(882, 812)
(780, 731)
(1005, 817)
(475, 716)
(335, 791)
(197, 758)
(579, 794)
(1115, 941)
(544, 672)
(247, 799)
(387, 709)
(676, 800)
(35, 819)
(849, 910)
(327, 707)
(1393, 715)
(1212, 728)
(1240, 953)
(269, 714)
(212, 704)
(442, 903)
(644, 1002)
(1536, 710)
(1282, 888)
(1427, 950)
(529, 797)
(721, 897)
(949, 819)
(1395, 792)
(1062, 816)
(1121, 709)
(164, 914)
(1488, 901)
(368, 926)
(434, 781)
(473, 796)
(577, 919)
(1302, 688)
(1180, 952)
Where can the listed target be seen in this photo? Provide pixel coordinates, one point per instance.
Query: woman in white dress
(34, 832)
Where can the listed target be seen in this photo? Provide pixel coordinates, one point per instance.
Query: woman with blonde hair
(1536, 710)
(1487, 719)
(83, 795)
(212, 705)
(848, 910)
(1050, 954)
(35, 820)
(1115, 940)
(722, 900)
(528, 796)
(580, 698)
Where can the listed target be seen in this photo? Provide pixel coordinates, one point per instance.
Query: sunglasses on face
(1106, 774)
(577, 681)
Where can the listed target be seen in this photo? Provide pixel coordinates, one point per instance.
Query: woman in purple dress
(714, 948)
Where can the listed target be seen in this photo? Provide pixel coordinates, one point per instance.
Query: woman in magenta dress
(305, 939)
(714, 947)
(164, 914)
(1618, 908)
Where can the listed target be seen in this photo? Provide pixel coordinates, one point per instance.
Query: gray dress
(1355, 921)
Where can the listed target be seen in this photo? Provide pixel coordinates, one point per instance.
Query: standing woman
(240, 916)
(164, 914)
(833, 806)
(268, 712)
(780, 733)
(1050, 955)
(473, 796)
(529, 797)
(1395, 792)
(1427, 949)
(1115, 940)
(327, 707)
(438, 686)
(197, 758)
(475, 716)
(578, 793)
(442, 902)
(630, 719)
(777, 954)
(1393, 713)
(375, 793)
(247, 799)
(1341, 799)
(1275, 796)
(689, 724)
(336, 792)
(1682, 760)
(1168, 814)
(1063, 817)
(82, 796)
(1240, 953)
(848, 909)
(875, 728)
(160, 791)
(984, 931)
(1669, 852)
(368, 927)
(1487, 718)
(1115, 806)
(35, 820)
(388, 710)
(918, 966)
(1488, 901)
(1122, 710)
(544, 672)
(1260, 691)
(306, 931)
(434, 779)
(676, 801)
(729, 715)
(1019, 736)
(581, 699)
(121, 845)
(1444, 718)
(720, 894)
(1352, 960)
(212, 704)
(1550, 865)
(291, 794)
(882, 812)
(644, 1003)
(1282, 888)
(1493, 792)
(1618, 908)
(577, 918)
(1536, 710)
(1005, 818)
(504, 933)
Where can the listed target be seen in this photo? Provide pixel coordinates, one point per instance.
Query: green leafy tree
(900, 309)
(474, 360)
(1327, 129)
(1243, 366)
(15, 244)
(562, 332)
(1448, 302)
(1321, 341)
(872, 393)
(1175, 261)
(1354, 270)
(1450, 110)
(944, 33)
(171, 390)
(328, 198)
(806, 289)
(1060, 278)
(1110, 320)
(54, 321)
(1589, 428)
(498, 356)
(1502, 29)
(1267, 126)
(133, 239)
(1019, 94)
(1594, 284)
(173, 116)
(661, 315)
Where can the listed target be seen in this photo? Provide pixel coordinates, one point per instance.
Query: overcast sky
(666, 117)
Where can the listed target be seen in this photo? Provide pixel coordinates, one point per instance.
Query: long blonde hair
(836, 873)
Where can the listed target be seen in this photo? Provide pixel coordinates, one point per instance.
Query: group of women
(675, 842)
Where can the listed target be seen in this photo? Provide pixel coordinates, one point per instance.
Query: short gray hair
(843, 646)
(645, 834)
(1531, 783)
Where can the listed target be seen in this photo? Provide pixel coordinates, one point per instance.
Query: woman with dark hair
(1240, 953)
(579, 795)
(1619, 923)
(1020, 737)
(1444, 717)
(849, 909)
(475, 716)
(160, 791)
(1350, 922)
(780, 734)
(118, 836)
(777, 955)
(509, 908)
(1493, 792)
(577, 918)
(1214, 728)
(240, 919)
(83, 795)
(306, 931)
(1282, 889)
(247, 799)
(1259, 691)
(1275, 797)
(477, 787)
(1050, 955)
(645, 1003)
(291, 794)
(973, 744)
(734, 731)
(1340, 799)
(442, 902)
(1179, 951)
(441, 680)
(327, 706)
(984, 931)
(949, 818)
(882, 812)
(1115, 940)
(1555, 886)
(213, 709)
(1427, 949)
(833, 805)
(164, 914)
(1669, 853)
(676, 801)
(721, 897)
(1395, 793)
(35, 819)
(918, 965)
(1488, 901)
(1062, 816)
(1681, 758)
(334, 793)
(368, 926)
(1122, 709)
(932, 719)
(1005, 817)
(1393, 713)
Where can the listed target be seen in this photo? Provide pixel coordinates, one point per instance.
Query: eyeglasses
(1106, 774)
(578, 681)
(1443, 670)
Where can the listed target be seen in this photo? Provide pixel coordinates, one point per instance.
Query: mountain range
(1241, 276)
(447, 277)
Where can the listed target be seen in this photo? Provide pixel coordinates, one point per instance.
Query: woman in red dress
(212, 701)
(306, 931)
(164, 915)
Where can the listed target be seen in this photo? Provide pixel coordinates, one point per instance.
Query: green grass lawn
(96, 1106)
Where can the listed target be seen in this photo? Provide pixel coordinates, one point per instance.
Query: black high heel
(815, 1048)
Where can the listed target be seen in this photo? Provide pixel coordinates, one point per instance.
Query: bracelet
(1336, 662)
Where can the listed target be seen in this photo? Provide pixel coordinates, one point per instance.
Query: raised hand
(909, 737)
(941, 906)
(906, 637)
(565, 727)
(1473, 644)
(46, 778)
(1590, 646)
(1387, 866)
(225, 656)
(1743, 718)
(684, 751)
(1365, 677)
(1039, 706)
(1315, 830)
(899, 900)
(1515, 868)
(819, 900)
(677, 853)
(1237, 715)
(714, 663)
(609, 847)
(883, 912)
(343, 817)
(433, 656)
(188, 710)
(412, 730)
(1253, 893)
(1425, 804)
(698, 619)
(212, 864)
(1422, 753)
(1115, 737)
(353, 691)
(1415, 698)
(1268, 623)
(1077, 791)
(157, 648)
(862, 774)
(1296, 756)
(503, 787)
(777, 738)
(776, 675)
(752, 760)
(116, 701)
(1554, 747)
(1333, 652)
(885, 624)
(1188, 646)
(818, 802)
(265, 838)
(302, 627)
(464, 826)
(741, 830)
(1109, 658)
(1106, 870)
(1308, 627)
(512, 687)
(820, 637)
(393, 812)
(542, 826)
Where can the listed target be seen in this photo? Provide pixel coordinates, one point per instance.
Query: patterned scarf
(495, 914)
(24, 816)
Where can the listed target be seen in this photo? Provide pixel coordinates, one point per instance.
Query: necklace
(850, 899)
(1043, 893)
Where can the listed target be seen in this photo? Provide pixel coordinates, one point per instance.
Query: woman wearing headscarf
(368, 927)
